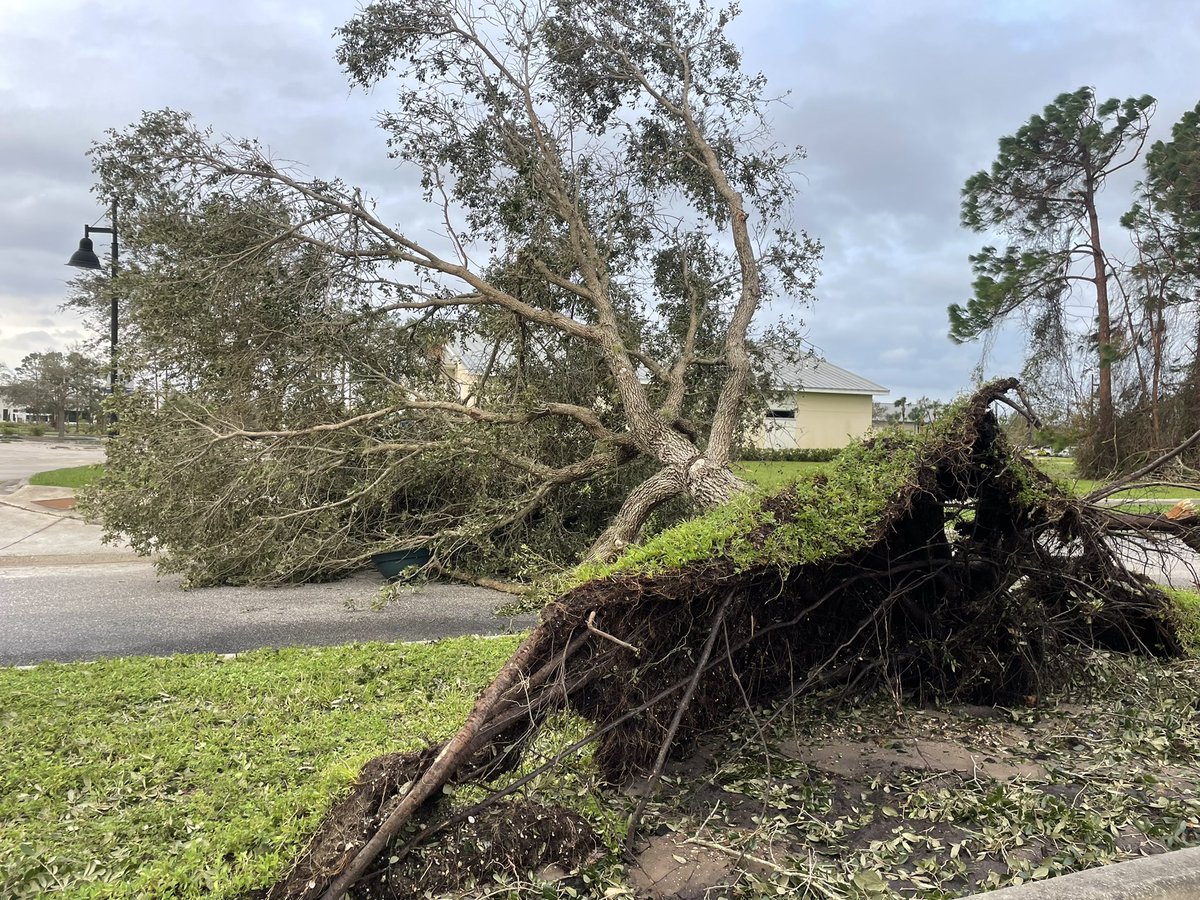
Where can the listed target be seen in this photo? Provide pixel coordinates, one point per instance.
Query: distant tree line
(60, 386)
(1113, 338)
(918, 413)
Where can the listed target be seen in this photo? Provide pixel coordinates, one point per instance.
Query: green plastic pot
(393, 563)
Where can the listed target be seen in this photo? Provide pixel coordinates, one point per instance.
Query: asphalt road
(66, 596)
(66, 613)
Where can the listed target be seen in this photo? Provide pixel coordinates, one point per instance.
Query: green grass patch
(1063, 471)
(770, 475)
(195, 775)
(1187, 609)
(74, 477)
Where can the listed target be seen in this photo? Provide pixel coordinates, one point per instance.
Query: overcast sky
(896, 101)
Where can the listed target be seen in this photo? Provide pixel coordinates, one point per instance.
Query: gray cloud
(897, 103)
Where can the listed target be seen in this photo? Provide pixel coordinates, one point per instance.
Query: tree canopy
(1041, 193)
(1161, 287)
(1173, 175)
(612, 214)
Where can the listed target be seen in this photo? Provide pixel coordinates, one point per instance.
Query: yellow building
(815, 404)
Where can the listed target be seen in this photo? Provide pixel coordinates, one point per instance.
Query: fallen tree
(946, 564)
(520, 361)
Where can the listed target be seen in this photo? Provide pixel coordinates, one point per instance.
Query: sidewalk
(39, 527)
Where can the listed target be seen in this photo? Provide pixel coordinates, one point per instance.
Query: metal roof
(474, 352)
(788, 373)
(817, 376)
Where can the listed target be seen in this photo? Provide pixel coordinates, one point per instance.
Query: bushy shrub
(791, 454)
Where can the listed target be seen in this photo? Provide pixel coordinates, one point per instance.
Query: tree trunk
(1106, 439)
(1192, 390)
(704, 476)
(707, 485)
(1158, 330)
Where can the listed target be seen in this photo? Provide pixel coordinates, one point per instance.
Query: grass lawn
(199, 776)
(195, 775)
(775, 474)
(74, 477)
(1063, 471)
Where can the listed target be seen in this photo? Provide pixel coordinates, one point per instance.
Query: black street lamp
(85, 258)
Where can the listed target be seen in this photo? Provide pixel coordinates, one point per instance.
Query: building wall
(776, 434)
(463, 378)
(11, 413)
(821, 421)
(831, 420)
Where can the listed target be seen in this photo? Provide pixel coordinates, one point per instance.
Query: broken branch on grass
(1121, 483)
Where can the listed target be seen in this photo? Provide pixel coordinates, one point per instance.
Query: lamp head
(85, 257)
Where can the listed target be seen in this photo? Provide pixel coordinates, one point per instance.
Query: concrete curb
(1166, 876)
(26, 496)
(77, 540)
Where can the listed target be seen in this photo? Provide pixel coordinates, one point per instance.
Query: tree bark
(1105, 421)
(1158, 330)
(706, 483)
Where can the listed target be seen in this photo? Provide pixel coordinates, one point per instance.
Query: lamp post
(85, 258)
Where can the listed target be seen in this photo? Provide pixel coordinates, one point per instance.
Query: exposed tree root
(979, 579)
(503, 839)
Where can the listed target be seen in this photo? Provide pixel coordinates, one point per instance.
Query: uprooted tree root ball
(945, 564)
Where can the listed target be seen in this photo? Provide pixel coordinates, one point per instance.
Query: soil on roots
(349, 824)
(506, 840)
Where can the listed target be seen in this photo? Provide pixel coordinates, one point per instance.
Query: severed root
(351, 822)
